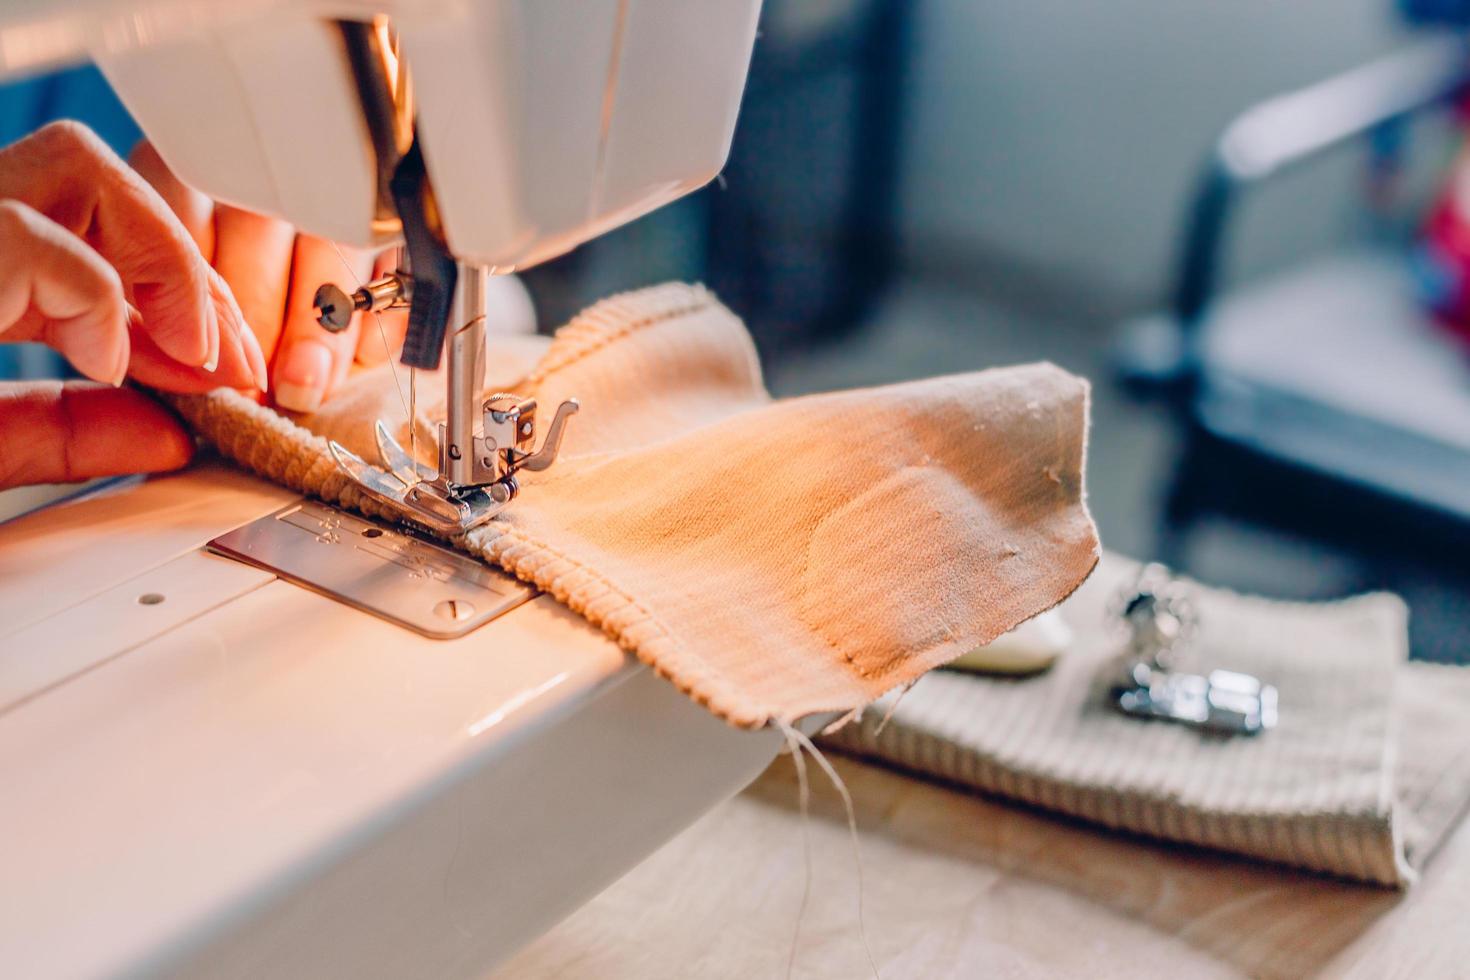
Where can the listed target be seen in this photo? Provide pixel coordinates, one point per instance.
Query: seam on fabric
(599, 335)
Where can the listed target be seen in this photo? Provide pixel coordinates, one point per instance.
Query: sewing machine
(357, 752)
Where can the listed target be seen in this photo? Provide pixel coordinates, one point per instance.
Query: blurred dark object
(799, 234)
(1452, 12)
(803, 234)
(1324, 400)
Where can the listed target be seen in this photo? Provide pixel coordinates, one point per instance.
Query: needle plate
(375, 567)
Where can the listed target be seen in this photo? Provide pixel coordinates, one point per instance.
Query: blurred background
(1239, 220)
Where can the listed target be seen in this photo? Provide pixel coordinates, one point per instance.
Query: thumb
(54, 432)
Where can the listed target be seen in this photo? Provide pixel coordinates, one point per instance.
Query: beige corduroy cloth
(772, 559)
(1367, 771)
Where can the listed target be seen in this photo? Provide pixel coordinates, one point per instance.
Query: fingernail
(301, 376)
(255, 357)
(212, 361)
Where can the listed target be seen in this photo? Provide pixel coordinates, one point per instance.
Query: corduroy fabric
(1366, 772)
(772, 559)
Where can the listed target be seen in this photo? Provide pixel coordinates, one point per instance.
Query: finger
(253, 253)
(52, 432)
(199, 215)
(151, 366)
(242, 362)
(195, 210)
(310, 361)
(65, 172)
(56, 289)
(381, 338)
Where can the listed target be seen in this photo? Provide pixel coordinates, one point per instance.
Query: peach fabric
(773, 559)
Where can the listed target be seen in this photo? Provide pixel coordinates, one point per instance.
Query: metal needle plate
(377, 568)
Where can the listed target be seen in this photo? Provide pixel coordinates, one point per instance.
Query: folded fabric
(1365, 773)
(772, 559)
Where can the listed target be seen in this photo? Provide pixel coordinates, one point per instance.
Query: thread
(893, 706)
(387, 349)
(798, 742)
(804, 796)
(844, 721)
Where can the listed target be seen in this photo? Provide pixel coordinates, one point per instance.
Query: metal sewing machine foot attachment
(1159, 615)
(425, 496)
(478, 458)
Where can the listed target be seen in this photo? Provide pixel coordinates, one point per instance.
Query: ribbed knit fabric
(1366, 772)
(772, 559)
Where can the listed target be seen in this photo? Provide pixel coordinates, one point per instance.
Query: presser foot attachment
(1160, 619)
(1222, 701)
(433, 504)
(423, 496)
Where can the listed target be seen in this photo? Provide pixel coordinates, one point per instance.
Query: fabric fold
(773, 559)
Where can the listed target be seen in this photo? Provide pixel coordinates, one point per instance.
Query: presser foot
(1159, 616)
(422, 495)
(419, 496)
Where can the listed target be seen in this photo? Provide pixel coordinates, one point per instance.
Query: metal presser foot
(1159, 615)
(424, 496)
(480, 452)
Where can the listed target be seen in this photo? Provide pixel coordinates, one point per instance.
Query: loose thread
(888, 714)
(387, 348)
(844, 721)
(801, 742)
(804, 796)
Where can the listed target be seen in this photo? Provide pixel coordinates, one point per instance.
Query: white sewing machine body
(236, 776)
(545, 122)
(210, 769)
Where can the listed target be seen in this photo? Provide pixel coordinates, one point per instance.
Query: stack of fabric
(1364, 775)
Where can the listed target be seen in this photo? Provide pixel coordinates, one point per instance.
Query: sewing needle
(410, 407)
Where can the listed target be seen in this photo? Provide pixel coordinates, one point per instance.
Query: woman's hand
(274, 274)
(94, 263)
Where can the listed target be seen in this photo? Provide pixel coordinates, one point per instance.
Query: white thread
(798, 742)
(845, 720)
(382, 333)
(804, 795)
(888, 714)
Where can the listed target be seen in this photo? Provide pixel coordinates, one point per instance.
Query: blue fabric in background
(1436, 11)
(76, 93)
